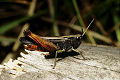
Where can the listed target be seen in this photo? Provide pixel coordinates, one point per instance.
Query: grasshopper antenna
(88, 27)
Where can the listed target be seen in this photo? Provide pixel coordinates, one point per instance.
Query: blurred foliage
(62, 13)
(13, 24)
(106, 10)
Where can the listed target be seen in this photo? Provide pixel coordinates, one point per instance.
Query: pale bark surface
(103, 63)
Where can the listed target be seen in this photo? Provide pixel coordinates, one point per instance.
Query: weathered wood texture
(103, 63)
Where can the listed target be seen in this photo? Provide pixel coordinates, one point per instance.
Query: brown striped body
(48, 46)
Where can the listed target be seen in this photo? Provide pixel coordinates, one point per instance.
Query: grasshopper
(55, 45)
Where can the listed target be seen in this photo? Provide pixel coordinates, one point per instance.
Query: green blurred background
(57, 18)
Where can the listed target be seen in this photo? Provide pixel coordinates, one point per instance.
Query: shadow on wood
(103, 63)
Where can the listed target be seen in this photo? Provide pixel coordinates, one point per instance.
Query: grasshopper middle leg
(59, 51)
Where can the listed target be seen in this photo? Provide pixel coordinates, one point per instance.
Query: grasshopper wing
(47, 45)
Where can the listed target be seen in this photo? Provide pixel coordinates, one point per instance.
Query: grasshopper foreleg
(58, 51)
(75, 50)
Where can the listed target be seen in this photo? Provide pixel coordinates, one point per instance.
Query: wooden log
(103, 63)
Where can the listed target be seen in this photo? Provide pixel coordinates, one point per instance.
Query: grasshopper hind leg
(58, 51)
(75, 50)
